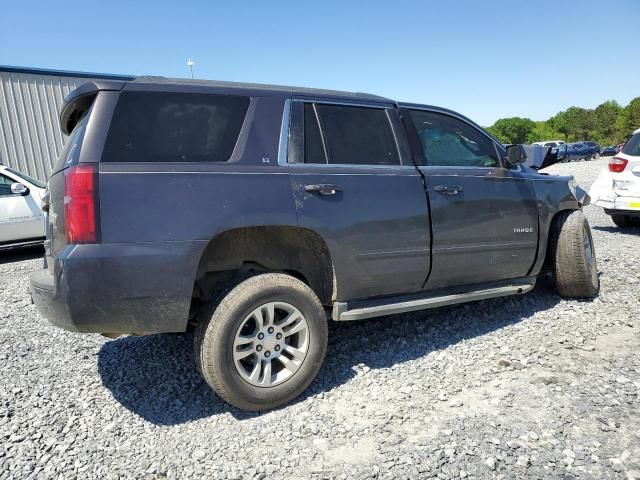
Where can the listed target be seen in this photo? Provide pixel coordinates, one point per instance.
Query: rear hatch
(627, 182)
(73, 183)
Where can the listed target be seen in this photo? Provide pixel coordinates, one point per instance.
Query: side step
(359, 310)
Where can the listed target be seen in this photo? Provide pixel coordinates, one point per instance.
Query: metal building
(30, 100)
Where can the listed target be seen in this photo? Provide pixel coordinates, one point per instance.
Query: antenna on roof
(190, 64)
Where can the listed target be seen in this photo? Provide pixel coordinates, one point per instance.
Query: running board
(370, 309)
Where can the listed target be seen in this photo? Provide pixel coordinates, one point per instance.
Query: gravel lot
(506, 388)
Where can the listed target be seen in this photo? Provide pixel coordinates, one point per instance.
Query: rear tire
(575, 270)
(236, 340)
(625, 221)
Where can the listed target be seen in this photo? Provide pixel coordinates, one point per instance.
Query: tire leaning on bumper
(574, 275)
(214, 339)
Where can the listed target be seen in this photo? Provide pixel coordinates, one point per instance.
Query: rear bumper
(51, 303)
(618, 203)
(119, 288)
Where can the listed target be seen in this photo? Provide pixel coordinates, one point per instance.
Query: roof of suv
(257, 87)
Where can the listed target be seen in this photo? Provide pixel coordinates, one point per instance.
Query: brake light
(617, 164)
(80, 203)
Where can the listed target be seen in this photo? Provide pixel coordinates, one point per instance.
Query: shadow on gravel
(21, 254)
(610, 229)
(155, 376)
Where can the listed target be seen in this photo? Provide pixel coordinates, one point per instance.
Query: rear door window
(351, 135)
(174, 127)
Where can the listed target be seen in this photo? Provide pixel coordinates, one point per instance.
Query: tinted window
(174, 127)
(448, 141)
(357, 135)
(70, 153)
(5, 185)
(632, 147)
(313, 149)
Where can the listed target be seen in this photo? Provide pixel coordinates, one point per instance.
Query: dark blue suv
(253, 214)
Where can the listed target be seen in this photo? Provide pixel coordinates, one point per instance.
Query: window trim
(405, 163)
(421, 161)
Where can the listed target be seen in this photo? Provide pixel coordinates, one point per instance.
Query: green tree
(543, 131)
(628, 121)
(575, 123)
(606, 117)
(512, 130)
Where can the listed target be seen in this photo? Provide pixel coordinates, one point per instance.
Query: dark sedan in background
(582, 151)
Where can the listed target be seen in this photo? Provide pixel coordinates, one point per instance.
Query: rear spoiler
(78, 102)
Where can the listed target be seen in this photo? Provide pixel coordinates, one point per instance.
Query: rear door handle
(323, 189)
(448, 189)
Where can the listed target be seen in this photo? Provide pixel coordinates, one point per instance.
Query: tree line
(608, 124)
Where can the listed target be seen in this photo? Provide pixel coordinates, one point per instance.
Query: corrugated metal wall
(30, 136)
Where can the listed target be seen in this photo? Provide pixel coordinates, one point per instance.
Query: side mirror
(516, 155)
(19, 189)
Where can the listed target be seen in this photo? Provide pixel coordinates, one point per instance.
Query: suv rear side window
(352, 136)
(174, 127)
(450, 142)
(632, 147)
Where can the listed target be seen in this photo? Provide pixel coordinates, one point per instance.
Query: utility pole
(190, 64)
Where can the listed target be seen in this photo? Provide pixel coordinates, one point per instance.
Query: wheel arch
(300, 252)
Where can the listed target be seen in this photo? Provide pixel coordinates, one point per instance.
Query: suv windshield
(632, 147)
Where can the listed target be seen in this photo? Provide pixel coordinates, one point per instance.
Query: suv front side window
(450, 142)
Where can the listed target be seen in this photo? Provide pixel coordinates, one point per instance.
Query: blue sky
(486, 59)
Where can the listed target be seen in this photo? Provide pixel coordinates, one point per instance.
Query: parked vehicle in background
(580, 151)
(21, 217)
(254, 214)
(539, 156)
(595, 149)
(549, 143)
(617, 188)
(608, 151)
(619, 147)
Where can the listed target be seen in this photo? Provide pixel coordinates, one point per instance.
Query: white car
(21, 218)
(549, 143)
(617, 188)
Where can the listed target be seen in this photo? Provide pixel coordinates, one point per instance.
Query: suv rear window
(632, 147)
(174, 127)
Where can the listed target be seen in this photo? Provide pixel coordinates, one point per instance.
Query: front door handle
(323, 189)
(448, 189)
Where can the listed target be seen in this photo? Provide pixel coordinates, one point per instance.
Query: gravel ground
(530, 386)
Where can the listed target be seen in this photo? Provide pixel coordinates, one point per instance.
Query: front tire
(264, 343)
(575, 269)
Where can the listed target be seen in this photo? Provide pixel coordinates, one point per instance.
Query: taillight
(80, 204)
(617, 164)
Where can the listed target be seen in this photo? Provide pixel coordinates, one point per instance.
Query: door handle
(448, 189)
(323, 189)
